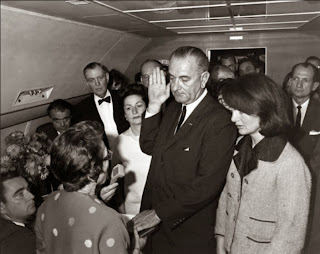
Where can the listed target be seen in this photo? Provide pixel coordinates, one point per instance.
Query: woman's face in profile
(103, 176)
(134, 106)
(246, 124)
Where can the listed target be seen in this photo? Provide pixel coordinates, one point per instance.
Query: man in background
(146, 70)
(17, 208)
(230, 62)
(60, 113)
(217, 75)
(103, 105)
(247, 66)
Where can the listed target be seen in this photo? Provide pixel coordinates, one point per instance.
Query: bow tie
(107, 99)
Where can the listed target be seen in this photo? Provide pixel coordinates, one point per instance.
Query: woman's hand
(220, 245)
(139, 243)
(108, 192)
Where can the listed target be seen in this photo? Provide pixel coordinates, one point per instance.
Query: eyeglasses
(109, 156)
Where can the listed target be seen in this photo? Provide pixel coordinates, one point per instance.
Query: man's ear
(204, 79)
(315, 86)
(107, 77)
(3, 208)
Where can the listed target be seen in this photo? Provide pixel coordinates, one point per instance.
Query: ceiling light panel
(244, 30)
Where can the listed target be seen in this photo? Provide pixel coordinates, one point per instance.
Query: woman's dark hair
(133, 89)
(257, 94)
(77, 155)
(117, 77)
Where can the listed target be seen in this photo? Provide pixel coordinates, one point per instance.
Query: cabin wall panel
(284, 49)
(39, 51)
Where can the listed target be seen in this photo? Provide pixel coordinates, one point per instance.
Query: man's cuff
(148, 114)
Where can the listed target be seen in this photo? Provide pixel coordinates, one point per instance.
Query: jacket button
(246, 181)
(232, 175)
(229, 194)
(162, 163)
(227, 213)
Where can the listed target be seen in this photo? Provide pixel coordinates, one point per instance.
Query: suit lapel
(310, 113)
(189, 123)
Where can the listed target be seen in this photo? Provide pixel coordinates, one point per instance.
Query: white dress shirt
(189, 108)
(303, 109)
(105, 111)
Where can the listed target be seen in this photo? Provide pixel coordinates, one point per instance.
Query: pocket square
(314, 133)
(186, 149)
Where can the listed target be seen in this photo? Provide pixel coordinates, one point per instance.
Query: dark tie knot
(299, 107)
(107, 99)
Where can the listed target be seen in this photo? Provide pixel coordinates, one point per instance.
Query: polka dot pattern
(55, 232)
(56, 197)
(92, 209)
(71, 221)
(88, 243)
(110, 242)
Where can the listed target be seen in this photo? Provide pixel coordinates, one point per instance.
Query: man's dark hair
(250, 60)
(60, 105)
(93, 65)
(77, 155)
(186, 51)
(227, 56)
(12, 173)
(313, 58)
(257, 94)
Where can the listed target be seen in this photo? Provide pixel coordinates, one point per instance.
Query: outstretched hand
(158, 91)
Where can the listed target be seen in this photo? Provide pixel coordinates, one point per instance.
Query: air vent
(77, 2)
(33, 95)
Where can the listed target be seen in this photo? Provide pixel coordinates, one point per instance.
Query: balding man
(146, 70)
(217, 75)
(191, 144)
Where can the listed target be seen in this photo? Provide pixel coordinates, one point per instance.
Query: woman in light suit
(264, 205)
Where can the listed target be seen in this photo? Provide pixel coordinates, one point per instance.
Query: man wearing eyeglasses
(146, 70)
(59, 112)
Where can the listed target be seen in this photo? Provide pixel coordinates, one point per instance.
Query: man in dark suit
(103, 105)
(191, 144)
(17, 207)
(305, 111)
(304, 133)
(59, 112)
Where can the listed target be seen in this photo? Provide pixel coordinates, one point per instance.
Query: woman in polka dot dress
(73, 220)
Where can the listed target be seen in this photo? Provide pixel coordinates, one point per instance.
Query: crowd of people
(217, 159)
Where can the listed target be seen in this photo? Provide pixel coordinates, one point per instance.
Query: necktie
(182, 116)
(107, 99)
(298, 119)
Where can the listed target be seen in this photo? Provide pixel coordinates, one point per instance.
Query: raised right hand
(158, 91)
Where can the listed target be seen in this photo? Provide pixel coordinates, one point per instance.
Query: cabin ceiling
(170, 18)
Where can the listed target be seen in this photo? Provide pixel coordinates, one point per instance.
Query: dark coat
(48, 129)
(16, 239)
(301, 139)
(87, 110)
(187, 174)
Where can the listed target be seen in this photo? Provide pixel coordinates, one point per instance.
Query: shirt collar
(190, 107)
(303, 105)
(97, 98)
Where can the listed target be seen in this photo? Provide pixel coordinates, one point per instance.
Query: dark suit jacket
(48, 129)
(16, 239)
(87, 110)
(301, 139)
(187, 174)
(313, 236)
